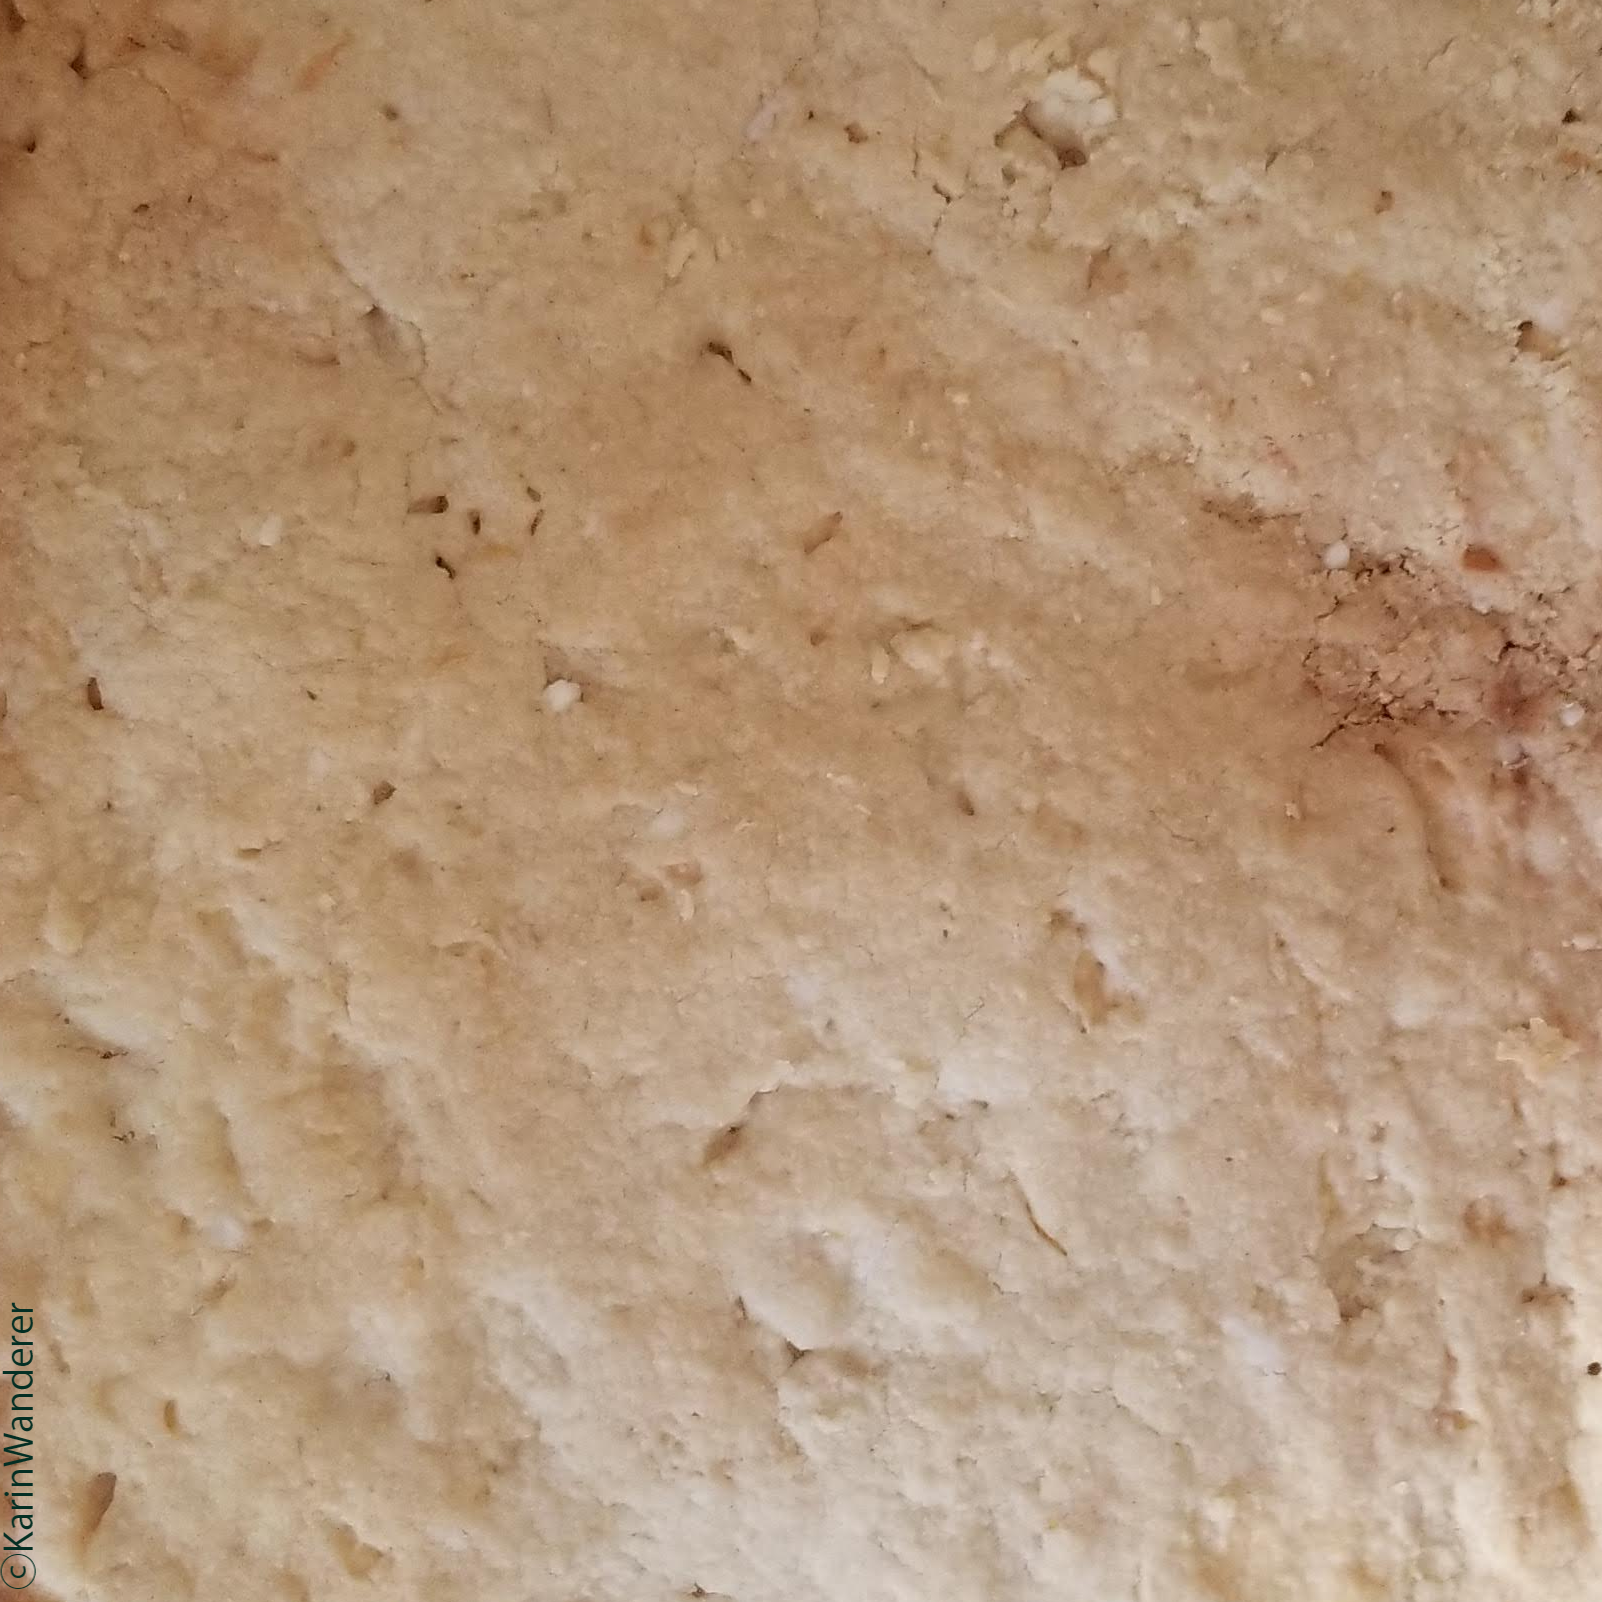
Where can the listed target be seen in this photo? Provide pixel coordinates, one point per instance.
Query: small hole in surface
(98, 1497)
(821, 533)
(1063, 142)
(1571, 116)
(725, 353)
(1534, 340)
(429, 505)
(444, 567)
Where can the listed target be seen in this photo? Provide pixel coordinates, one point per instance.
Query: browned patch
(1105, 273)
(1480, 559)
(1484, 1221)
(322, 63)
(721, 1145)
(1362, 1270)
(1092, 994)
(1545, 1294)
(1511, 700)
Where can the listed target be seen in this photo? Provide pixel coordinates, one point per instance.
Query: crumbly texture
(802, 801)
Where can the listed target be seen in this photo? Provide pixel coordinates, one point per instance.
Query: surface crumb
(562, 695)
(1536, 1047)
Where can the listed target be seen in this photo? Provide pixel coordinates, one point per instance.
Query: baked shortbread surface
(802, 801)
